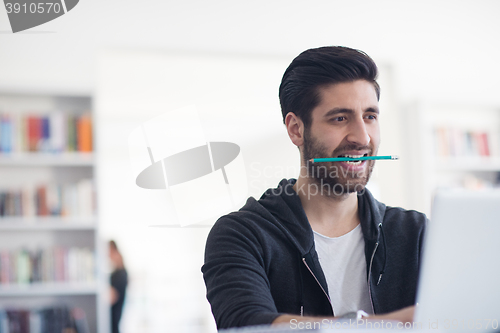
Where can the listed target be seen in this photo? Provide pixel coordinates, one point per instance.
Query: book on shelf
(65, 200)
(5, 133)
(43, 320)
(84, 133)
(455, 142)
(55, 132)
(55, 264)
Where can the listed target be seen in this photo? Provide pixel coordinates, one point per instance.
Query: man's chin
(334, 187)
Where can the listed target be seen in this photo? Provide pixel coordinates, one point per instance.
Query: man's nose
(358, 133)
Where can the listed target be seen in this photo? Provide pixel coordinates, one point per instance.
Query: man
(319, 246)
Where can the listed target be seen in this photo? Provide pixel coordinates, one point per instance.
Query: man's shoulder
(411, 214)
(267, 208)
(246, 212)
(405, 217)
(252, 228)
(378, 212)
(250, 217)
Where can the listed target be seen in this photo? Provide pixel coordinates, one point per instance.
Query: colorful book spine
(454, 142)
(67, 200)
(56, 318)
(54, 264)
(41, 200)
(84, 136)
(56, 132)
(44, 141)
(33, 133)
(4, 267)
(6, 134)
(72, 135)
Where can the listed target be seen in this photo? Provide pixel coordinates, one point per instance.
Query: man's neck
(331, 216)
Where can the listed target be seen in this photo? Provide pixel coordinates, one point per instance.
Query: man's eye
(372, 117)
(341, 118)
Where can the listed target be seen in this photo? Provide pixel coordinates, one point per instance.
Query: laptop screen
(459, 283)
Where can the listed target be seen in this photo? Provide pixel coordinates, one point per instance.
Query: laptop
(459, 283)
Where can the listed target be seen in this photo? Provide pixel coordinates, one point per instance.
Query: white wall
(446, 49)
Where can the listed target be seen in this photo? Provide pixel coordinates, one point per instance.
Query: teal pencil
(346, 159)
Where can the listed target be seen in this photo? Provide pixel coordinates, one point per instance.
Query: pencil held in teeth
(347, 159)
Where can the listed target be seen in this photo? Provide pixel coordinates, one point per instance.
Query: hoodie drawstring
(301, 292)
(385, 253)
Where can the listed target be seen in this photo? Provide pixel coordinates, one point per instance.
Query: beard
(332, 179)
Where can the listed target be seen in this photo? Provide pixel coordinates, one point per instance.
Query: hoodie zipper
(314, 276)
(369, 276)
(370, 269)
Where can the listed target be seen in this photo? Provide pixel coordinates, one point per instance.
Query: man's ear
(295, 129)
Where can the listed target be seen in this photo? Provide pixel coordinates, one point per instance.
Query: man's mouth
(353, 156)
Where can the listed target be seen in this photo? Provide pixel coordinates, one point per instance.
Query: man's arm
(238, 288)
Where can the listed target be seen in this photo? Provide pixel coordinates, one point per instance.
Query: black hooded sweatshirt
(260, 262)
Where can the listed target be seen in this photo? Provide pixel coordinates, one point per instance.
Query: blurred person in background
(119, 281)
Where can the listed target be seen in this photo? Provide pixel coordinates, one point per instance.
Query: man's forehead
(342, 88)
(348, 95)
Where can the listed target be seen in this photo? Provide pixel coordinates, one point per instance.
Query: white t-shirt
(343, 262)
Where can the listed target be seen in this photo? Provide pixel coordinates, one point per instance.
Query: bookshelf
(51, 256)
(49, 289)
(47, 223)
(47, 159)
(451, 146)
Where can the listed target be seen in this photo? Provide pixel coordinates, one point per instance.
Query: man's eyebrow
(373, 109)
(336, 111)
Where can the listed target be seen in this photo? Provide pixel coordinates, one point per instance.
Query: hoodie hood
(284, 206)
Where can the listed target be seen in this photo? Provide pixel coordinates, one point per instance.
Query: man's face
(345, 123)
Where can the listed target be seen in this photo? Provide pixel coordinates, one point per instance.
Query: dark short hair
(315, 68)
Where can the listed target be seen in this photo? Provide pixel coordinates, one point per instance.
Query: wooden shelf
(49, 289)
(47, 223)
(47, 159)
